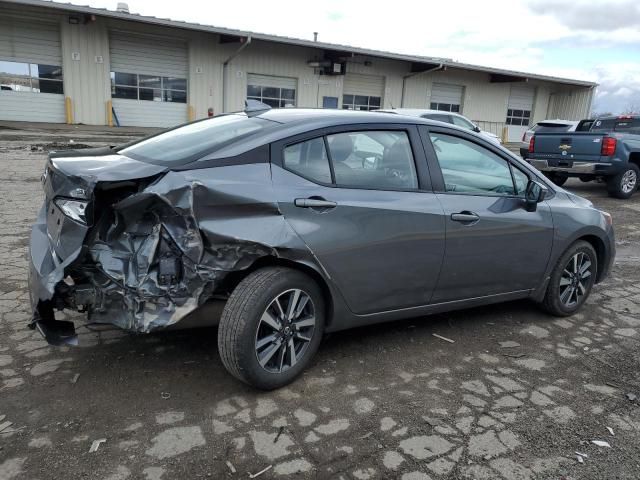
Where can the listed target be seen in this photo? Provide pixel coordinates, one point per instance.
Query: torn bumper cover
(146, 260)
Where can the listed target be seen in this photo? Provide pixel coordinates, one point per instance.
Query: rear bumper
(576, 168)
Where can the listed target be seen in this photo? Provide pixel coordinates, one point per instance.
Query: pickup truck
(609, 151)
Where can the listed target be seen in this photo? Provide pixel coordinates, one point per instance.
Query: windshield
(194, 140)
(623, 124)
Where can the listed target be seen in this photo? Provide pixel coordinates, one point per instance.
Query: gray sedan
(283, 225)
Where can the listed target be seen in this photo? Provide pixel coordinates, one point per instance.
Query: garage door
(362, 92)
(446, 97)
(519, 111)
(278, 92)
(30, 72)
(148, 80)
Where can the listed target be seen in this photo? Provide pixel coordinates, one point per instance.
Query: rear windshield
(194, 140)
(551, 127)
(626, 125)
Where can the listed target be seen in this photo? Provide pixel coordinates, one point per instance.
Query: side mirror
(534, 194)
(476, 129)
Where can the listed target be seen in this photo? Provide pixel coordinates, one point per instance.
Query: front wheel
(271, 327)
(624, 184)
(571, 280)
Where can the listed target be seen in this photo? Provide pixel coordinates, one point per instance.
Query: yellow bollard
(68, 109)
(109, 113)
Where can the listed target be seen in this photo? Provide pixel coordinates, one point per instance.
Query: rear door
(360, 198)
(494, 246)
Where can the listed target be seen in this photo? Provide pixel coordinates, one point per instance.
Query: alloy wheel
(285, 330)
(629, 180)
(575, 279)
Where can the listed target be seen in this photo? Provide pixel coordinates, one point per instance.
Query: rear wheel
(557, 178)
(571, 280)
(585, 178)
(624, 184)
(271, 327)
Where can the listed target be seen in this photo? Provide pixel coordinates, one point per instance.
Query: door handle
(314, 202)
(465, 217)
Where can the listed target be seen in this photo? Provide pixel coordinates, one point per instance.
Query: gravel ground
(514, 397)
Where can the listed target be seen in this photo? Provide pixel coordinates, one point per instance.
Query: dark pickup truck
(609, 151)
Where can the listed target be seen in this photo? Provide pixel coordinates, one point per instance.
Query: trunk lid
(75, 176)
(568, 146)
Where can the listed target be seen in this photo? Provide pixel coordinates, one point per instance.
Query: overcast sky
(582, 39)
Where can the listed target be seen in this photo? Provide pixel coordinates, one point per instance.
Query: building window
(133, 86)
(518, 117)
(275, 97)
(445, 107)
(30, 77)
(360, 102)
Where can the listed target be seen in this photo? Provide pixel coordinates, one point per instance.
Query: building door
(519, 112)
(31, 74)
(277, 92)
(447, 98)
(148, 80)
(362, 92)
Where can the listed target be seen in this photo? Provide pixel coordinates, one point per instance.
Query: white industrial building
(82, 65)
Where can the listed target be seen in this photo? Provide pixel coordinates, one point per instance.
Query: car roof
(418, 112)
(330, 116)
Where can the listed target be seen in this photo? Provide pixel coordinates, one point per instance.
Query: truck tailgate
(580, 146)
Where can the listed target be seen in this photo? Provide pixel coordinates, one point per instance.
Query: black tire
(585, 178)
(553, 299)
(557, 178)
(241, 323)
(625, 183)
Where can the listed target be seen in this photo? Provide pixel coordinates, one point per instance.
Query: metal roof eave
(134, 17)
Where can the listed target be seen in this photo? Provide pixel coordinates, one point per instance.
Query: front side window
(275, 97)
(518, 117)
(445, 107)
(308, 159)
(155, 88)
(30, 77)
(361, 102)
(472, 169)
(373, 159)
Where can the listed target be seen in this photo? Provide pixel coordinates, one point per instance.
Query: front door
(494, 246)
(358, 199)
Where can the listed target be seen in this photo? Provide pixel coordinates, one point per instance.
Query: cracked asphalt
(515, 396)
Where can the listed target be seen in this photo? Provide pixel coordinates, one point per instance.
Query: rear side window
(378, 160)
(373, 159)
(472, 169)
(438, 116)
(461, 122)
(194, 140)
(308, 159)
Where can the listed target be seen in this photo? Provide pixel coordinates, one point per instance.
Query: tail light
(608, 146)
(532, 143)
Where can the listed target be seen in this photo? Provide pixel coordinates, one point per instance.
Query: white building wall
(571, 103)
(87, 83)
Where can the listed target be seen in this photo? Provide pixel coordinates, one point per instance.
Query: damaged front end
(121, 240)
